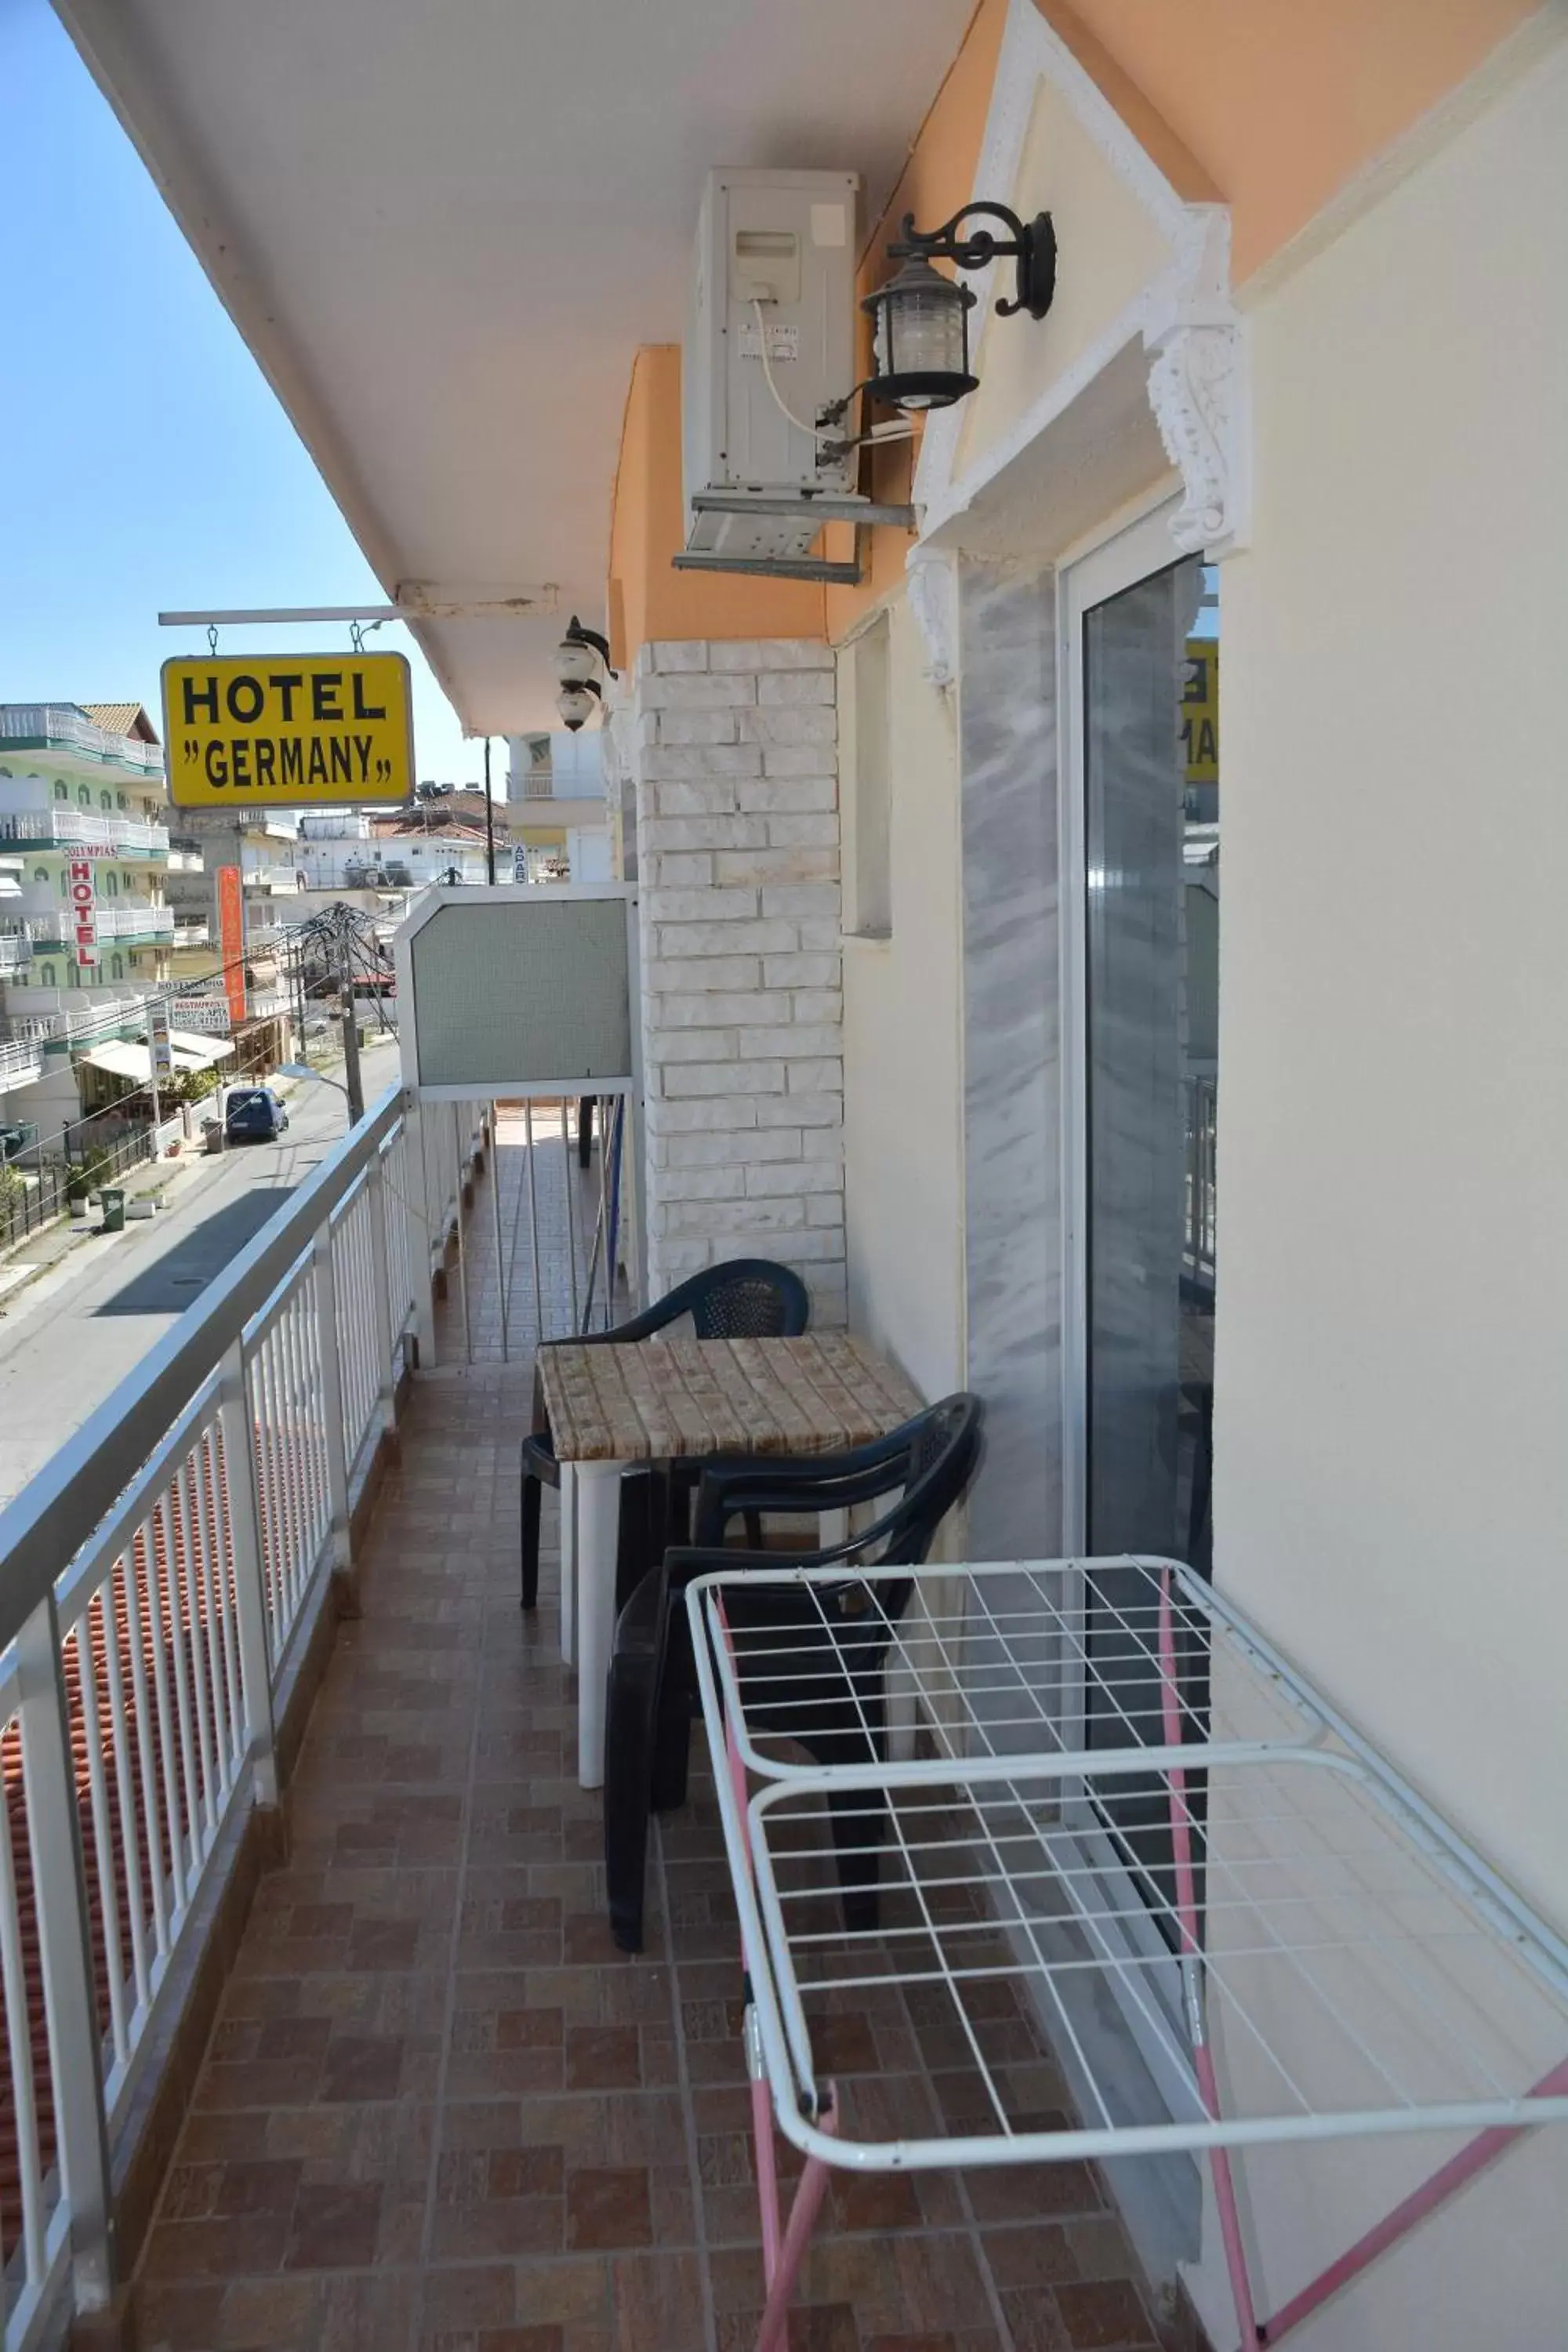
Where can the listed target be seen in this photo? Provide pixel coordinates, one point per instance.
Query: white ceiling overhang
(445, 231)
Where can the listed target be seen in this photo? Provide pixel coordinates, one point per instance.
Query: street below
(70, 1338)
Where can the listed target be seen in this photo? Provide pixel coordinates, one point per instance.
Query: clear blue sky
(126, 395)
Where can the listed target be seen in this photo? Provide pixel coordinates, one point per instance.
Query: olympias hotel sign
(301, 731)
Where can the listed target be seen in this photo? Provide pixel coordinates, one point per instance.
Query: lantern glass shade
(574, 662)
(919, 328)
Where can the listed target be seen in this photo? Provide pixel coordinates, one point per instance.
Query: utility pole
(490, 822)
(352, 1083)
(299, 960)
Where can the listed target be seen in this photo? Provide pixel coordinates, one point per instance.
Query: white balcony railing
(21, 1060)
(77, 1024)
(192, 935)
(200, 1513)
(65, 828)
(15, 949)
(56, 722)
(137, 921)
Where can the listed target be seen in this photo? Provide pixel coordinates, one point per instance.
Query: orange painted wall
(1270, 106)
(938, 177)
(1283, 101)
(648, 598)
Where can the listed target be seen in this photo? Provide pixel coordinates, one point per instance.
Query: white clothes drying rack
(1353, 1965)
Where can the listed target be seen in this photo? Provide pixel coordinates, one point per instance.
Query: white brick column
(737, 801)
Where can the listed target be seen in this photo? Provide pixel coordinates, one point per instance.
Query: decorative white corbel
(934, 601)
(1197, 388)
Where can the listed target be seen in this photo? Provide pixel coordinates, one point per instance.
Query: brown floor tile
(1030, 2257)
(608, 2208)
(268, 2185)
(216, 2249)
(468, 2297)
(1104, 2314)
(335, 2230)
(1034, 2192)
(463, 2131)
(1035, 2322)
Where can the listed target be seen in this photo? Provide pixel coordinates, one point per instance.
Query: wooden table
(612, 1408)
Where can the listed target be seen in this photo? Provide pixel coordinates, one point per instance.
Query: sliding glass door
(1141, 660)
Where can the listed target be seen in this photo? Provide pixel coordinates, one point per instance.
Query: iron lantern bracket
(1032, 244)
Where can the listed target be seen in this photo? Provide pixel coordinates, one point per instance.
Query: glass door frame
(1147, 1985)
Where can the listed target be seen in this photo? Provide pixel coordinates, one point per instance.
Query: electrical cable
(316, 928)
(816, 431)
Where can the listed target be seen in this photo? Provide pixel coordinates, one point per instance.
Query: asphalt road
(72, 1335)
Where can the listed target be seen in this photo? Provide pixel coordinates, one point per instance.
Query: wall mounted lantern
(580, 658)
(919, 319)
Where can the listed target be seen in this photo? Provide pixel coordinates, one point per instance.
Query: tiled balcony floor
(441, 2112)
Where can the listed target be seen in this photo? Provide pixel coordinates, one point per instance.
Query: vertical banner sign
(158, 1040)
(231, 940)
(81, 894)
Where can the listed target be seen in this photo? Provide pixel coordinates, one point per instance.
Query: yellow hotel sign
(298, 730)
(1200, 711)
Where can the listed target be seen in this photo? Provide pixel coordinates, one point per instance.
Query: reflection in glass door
(1149, 659)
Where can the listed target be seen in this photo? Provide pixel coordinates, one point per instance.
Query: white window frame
(1148, 1989)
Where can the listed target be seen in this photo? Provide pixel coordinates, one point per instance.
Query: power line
(320, 927)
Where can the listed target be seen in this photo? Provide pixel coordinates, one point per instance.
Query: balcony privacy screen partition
(515, 992)
(527, 993)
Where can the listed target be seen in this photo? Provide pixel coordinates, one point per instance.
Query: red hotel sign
(81, 896)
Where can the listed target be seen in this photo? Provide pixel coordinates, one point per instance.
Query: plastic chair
(745, 1299)
(830, 1697)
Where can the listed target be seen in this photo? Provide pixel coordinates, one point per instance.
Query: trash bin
(212, 1135)
(114, 1199)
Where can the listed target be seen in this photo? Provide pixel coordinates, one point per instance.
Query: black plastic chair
(822, 1652)
(745, 1299)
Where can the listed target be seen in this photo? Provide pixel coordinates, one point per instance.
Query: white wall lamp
(582, 661)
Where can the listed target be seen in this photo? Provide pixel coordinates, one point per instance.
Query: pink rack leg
(1192, 1951)
(774, 2333)
(1478, 2153)
(780, 2258)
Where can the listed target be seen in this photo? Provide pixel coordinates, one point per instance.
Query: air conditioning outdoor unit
(770, 344)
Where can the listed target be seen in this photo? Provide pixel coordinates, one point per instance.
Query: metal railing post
(60, 1884)
(381, 1283)
(250, 1584)
(416, 1182)
(326, 1289)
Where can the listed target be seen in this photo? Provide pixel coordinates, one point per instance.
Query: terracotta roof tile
(122, 718)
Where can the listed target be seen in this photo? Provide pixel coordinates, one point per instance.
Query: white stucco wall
(1111, 247)
(1392, 1385)
(903, 1012)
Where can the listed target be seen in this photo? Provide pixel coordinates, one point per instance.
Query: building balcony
(54, 725)
(61, 827)
(436, 2102)
(60, 1017)
(21, 1063)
